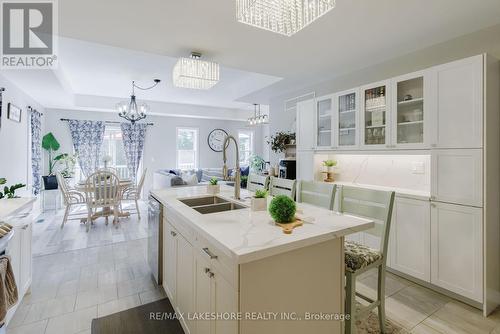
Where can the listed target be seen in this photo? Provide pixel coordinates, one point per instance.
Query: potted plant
(282, 209)
(259, 200)
(213, 187)
(66, 164)
(9, 192)
(51, 145)
(257, 164)
(329, 164)
(280, 141)
(244, 181)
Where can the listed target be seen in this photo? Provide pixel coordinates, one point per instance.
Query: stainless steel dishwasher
(155, 238)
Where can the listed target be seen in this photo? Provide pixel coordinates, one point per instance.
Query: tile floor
(79, 276)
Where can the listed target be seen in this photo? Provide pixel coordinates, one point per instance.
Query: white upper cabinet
(346, 129)
(457, 176)
(459, 101)
(305, 125)
(411, 107)
(375, 114)
(324, 122)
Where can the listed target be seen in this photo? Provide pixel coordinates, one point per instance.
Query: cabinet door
(170, 261)
(410, 241)
(26, 257)
(457, 248)
(203, 296)
(457, 176)
(375, 115)
(185, 281)
(225, 298)
(459, 116)
(305, 165)
(324, 122)
(346, 119)
(14, 251)
(305, 125)
(411, 106)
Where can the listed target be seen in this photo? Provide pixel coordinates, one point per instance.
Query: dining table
(106, 211)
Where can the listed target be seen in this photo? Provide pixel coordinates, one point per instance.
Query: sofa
(166, 178)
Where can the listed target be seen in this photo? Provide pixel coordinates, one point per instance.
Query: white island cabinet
(235, 272)
(18, 213)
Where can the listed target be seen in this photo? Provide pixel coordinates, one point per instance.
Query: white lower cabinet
(410, 238)
(196, 288)
(456, 249)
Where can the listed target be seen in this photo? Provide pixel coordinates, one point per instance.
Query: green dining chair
(316, 193)
(279, 186)
(257, 182)
(375, 205)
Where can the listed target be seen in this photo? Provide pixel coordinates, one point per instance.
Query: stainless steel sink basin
(211, 204)
(207, 200)
(214, 208)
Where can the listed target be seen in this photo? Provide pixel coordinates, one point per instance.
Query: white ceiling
(139, 40)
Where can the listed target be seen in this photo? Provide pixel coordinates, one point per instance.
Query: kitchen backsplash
(399, 171)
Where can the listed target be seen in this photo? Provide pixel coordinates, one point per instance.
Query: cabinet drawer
(218, 259)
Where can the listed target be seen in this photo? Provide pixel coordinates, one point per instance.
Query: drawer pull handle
(211, 255)
(173, 233)
(209, 273)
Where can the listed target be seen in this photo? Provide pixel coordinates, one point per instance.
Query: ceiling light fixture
(195, 73)
(257, 118)
(282, 16)
(130, 110)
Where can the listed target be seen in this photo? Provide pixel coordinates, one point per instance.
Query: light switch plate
(417, 167)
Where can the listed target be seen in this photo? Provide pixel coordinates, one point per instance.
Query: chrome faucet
(237, 178)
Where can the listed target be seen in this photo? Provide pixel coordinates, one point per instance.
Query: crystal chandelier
(257, 118)
(195, 73)
(282, 16)
(130, 110)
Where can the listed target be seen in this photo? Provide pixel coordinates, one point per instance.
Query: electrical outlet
(417, 167)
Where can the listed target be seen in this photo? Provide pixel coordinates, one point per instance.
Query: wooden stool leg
(381, 297)
(350, 303)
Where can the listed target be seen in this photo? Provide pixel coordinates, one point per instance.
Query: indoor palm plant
(51, 145)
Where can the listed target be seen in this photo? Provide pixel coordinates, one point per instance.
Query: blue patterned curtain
(87, 140)
(36, 149)
(134, 136)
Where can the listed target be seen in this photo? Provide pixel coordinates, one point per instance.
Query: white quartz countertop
(9, 207)
(400, 192)
(248, 236)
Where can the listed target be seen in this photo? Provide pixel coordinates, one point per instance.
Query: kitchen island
(234, 271)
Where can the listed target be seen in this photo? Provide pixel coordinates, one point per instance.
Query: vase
(49, 182)
(213, 189)
(259, 204)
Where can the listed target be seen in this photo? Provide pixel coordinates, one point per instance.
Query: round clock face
(216, 139)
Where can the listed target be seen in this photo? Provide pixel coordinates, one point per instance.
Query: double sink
(211, 204)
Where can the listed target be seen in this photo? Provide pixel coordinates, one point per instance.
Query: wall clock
(216, 139)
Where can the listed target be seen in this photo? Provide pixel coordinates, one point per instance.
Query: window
(187, 148)
(112, 145)
(245, 138)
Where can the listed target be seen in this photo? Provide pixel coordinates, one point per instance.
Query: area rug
(150, 318)
(369, 325)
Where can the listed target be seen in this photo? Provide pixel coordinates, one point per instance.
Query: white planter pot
(213, 189)
(259, 204)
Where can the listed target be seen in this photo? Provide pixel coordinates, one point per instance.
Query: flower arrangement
(280, 140)
(282, 209)
(259, 200)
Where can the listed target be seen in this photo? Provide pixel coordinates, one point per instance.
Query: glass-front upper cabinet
(375, 115)
(324, 122)
(409, 103)
(347, 119)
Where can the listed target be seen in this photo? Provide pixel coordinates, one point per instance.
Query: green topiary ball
(282, 209)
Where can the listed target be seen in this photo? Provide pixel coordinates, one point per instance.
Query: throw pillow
(190, 179)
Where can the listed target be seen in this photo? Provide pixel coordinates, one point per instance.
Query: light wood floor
(78, 276)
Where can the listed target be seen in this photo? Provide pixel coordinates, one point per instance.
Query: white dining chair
(102, 191)
(71, 197)
(133, 193)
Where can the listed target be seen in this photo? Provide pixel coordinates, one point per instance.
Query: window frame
(196, 145)
(252, 144)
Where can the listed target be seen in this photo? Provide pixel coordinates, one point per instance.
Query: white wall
(14, 142)
(484, 41)
(160, 152)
